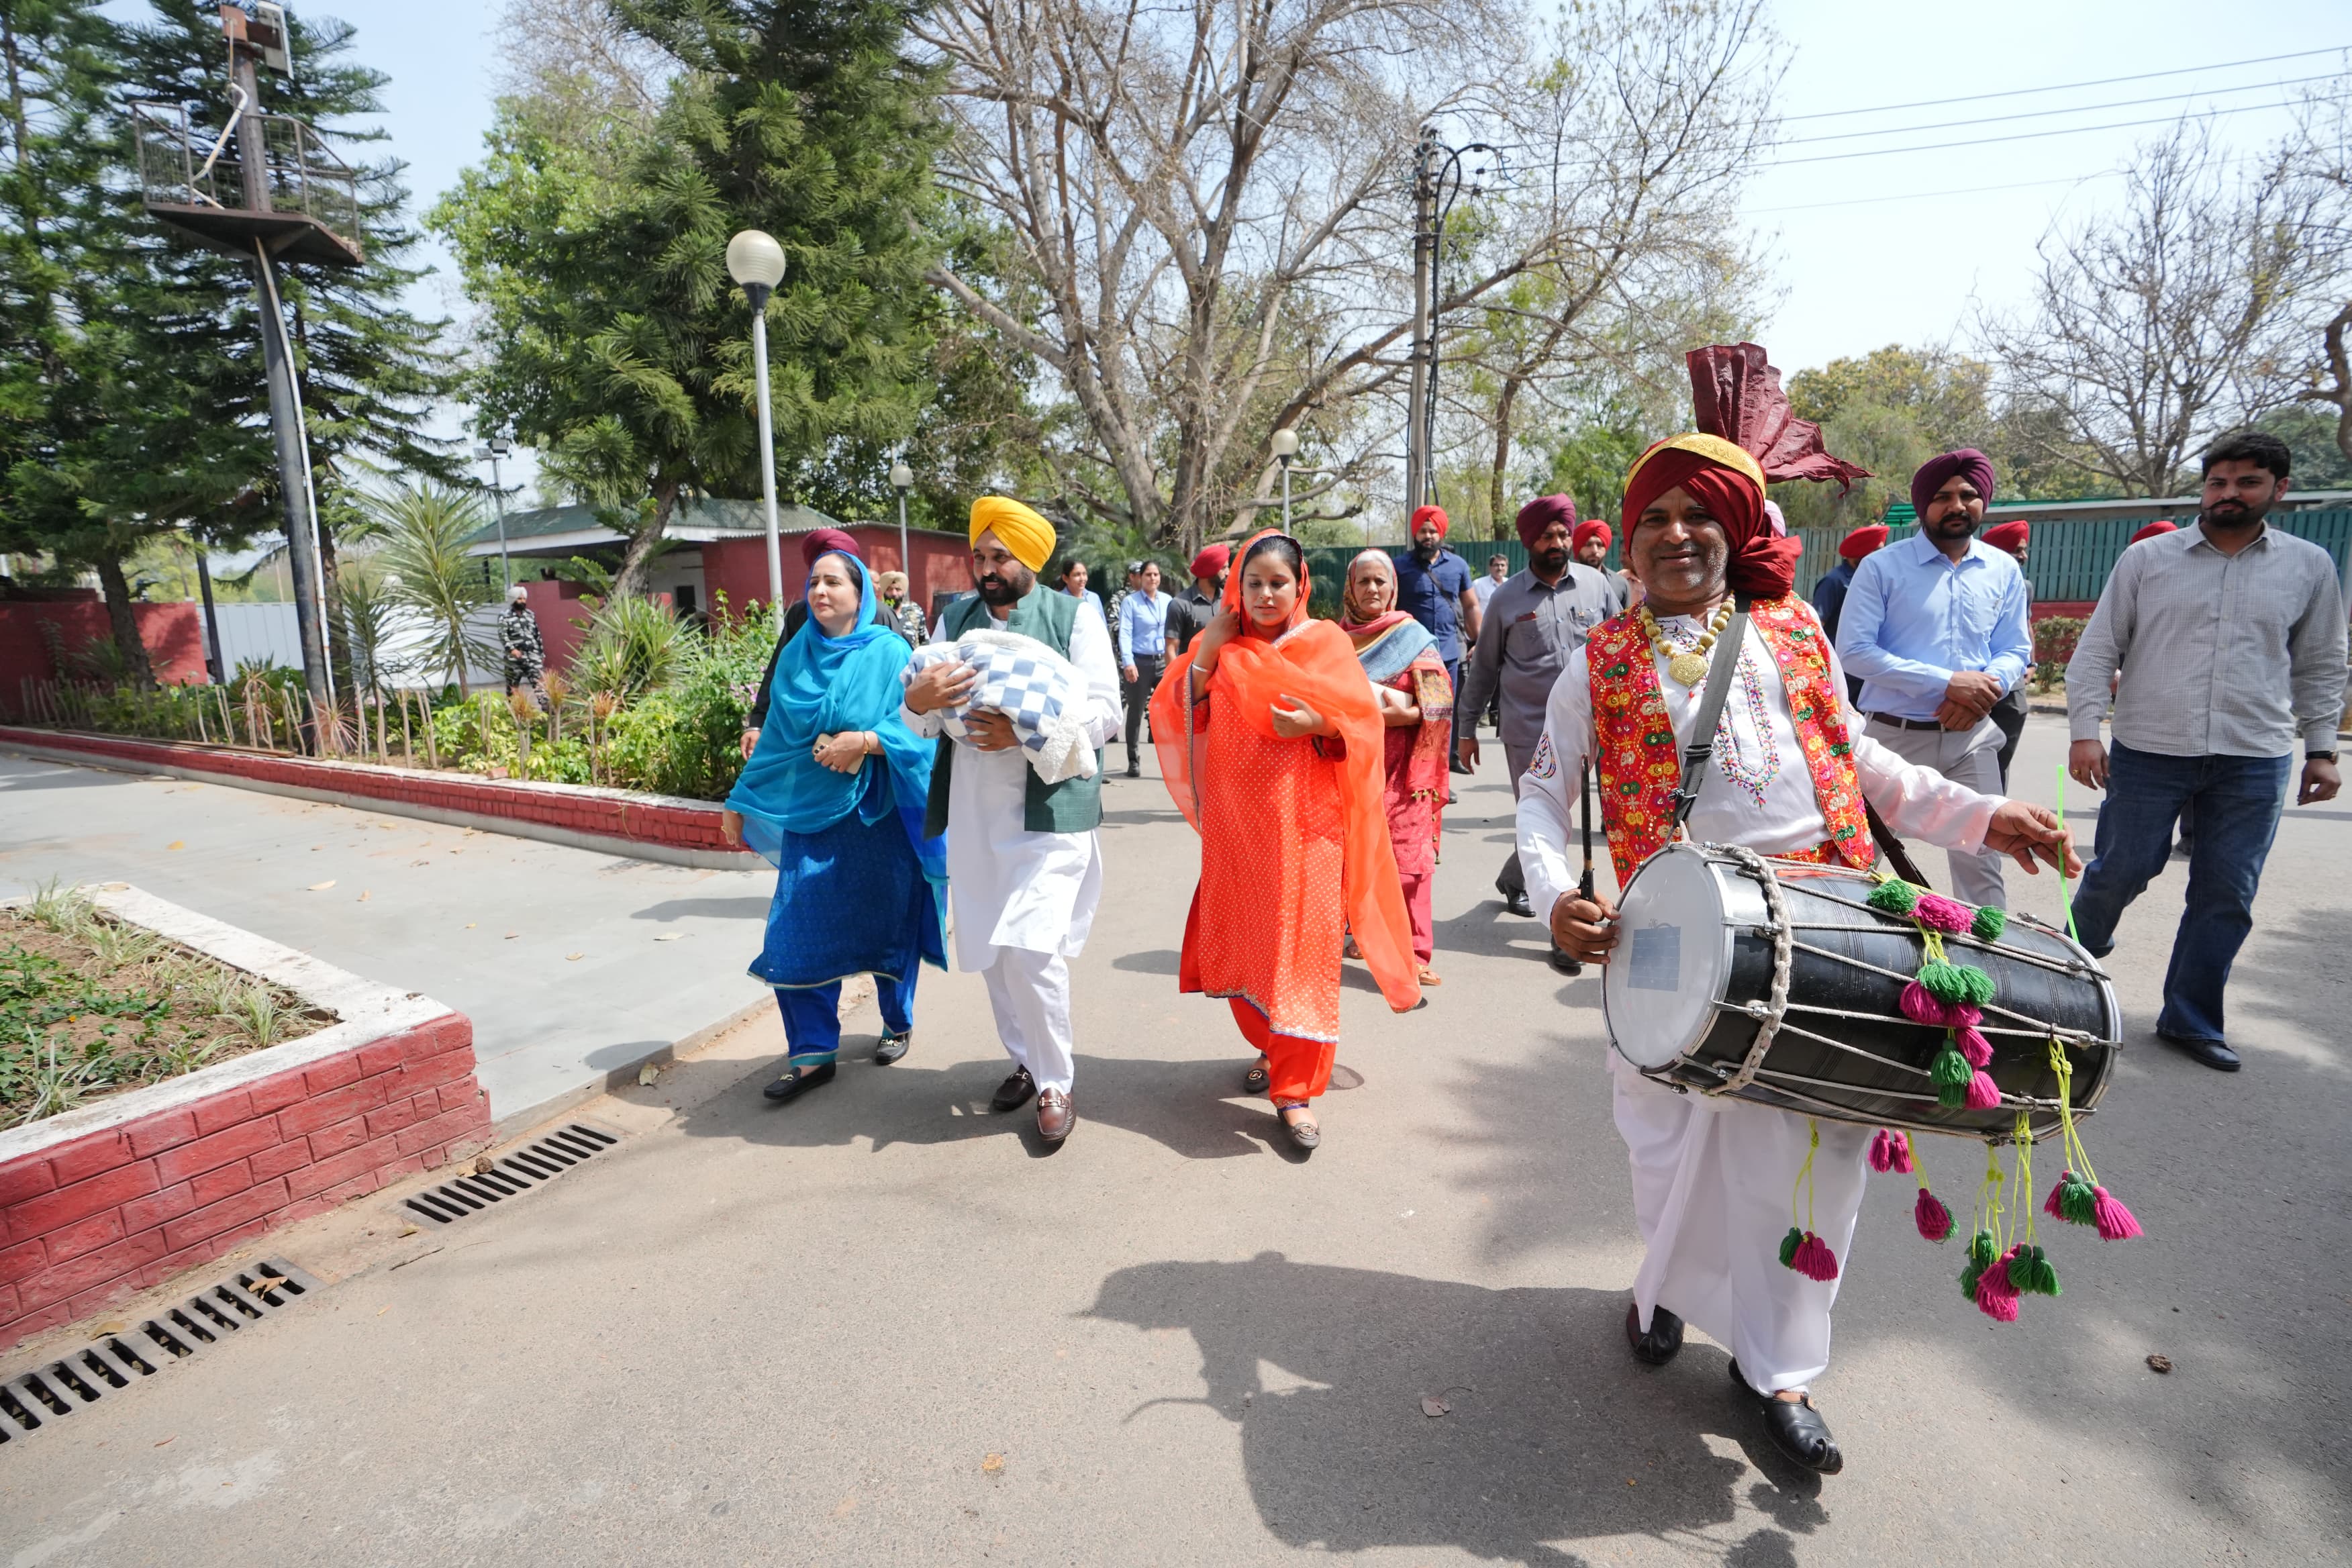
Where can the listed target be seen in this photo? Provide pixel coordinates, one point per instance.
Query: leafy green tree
(424, 530)
(615, 341)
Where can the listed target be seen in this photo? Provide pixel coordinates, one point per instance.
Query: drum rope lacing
(1775, 1005)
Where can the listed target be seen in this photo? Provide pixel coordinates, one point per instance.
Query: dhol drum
(1773, 981)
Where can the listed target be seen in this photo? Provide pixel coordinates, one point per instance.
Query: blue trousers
(813, 1015)
(2236, 803)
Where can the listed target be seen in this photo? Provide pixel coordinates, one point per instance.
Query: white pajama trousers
(1030, 995)
(1712, 1180)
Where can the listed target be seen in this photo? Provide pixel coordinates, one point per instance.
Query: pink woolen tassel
(2114, 1221)
(1939, 913)
(1901, 1158)
(1935, 1221)
(1973, 1046)
(1996, 1297)
(1983, 1093)
(1921, 1008)
(1882, 1150)
(1814, 1259)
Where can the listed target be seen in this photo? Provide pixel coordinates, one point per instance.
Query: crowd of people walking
(908, 821)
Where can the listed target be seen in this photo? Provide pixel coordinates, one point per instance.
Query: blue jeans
(2236, 801)
(813, 1015)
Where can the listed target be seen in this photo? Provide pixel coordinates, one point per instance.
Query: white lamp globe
(755, 258)
(1284, 443)
(901, 476)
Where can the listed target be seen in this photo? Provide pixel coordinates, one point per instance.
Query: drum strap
(1701, 746)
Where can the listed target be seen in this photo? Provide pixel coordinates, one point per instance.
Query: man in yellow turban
(1024, 870)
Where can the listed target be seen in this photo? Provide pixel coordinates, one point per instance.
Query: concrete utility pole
(1417, 484)
(285, 425)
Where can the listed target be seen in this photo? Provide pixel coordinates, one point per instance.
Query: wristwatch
(2318, 756)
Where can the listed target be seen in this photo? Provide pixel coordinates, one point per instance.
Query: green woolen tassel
(1968, 1277)
(2020, 1268)
(1989, 923)
(1952, 1074)
(1788, 1245)
(2078, 1201)
(2045, 1274)
(1983, 1250)
(1897, 898)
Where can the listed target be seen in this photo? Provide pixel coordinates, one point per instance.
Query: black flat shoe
(2212, 1053)
(1013, 1092)
(1256, 1080)
(1661, 1344)
(891, 1048)
(1796, 1429)
(1516, 903)
(1305, 1134)
(797, 1082)
(1566, 962)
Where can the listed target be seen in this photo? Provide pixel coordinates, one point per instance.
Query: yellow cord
(2078, 1159)
(1805, 1179)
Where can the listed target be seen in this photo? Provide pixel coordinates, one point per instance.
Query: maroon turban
(1863, 541)
(1436, 514)
(2153, 529)
(1967, 463)
(1541, 513)
(1592, 528)
(826, 541)
(1746, 439)
(2009, 536)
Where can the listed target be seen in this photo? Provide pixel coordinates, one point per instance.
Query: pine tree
(616, 342)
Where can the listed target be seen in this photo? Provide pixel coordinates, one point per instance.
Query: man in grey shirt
(1533, 622)
(2230, 637)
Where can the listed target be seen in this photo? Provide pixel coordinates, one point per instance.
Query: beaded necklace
(1687, 665)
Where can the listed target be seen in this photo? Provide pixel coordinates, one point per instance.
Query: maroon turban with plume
(1541, 513)
(826, 541)
(1967, 463)
(1746, 439)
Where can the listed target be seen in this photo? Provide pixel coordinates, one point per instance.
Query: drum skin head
(1672, 959)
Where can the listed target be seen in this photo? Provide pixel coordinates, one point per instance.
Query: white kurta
(1023, 903)
(1713, 1178)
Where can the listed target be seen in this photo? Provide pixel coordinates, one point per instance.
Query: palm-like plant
(425, 529)
(632, 646)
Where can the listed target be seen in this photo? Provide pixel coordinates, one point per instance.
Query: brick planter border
(660, 828)
(103, 1202)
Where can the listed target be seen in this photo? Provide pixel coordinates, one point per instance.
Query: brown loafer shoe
(1056, 1115)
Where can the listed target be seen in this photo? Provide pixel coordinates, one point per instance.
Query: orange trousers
(1296, 1068)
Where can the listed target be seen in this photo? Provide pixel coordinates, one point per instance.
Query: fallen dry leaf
(574, 957)
(2159, 1363)
(991, 1464)
(471, 924)
(512, 934)
(363, 896)
(410, 1229)
(1433, 1406)
(172, 1438)
(482, 1164)
(111, 1326)
(669, 936)
(647, 1074)
(323, 887)
(177, 844)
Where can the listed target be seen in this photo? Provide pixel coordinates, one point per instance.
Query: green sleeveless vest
(1074, 806)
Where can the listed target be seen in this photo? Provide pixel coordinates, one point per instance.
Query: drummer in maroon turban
(1787, 776)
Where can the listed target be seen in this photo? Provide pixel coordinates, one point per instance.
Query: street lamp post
(902, 479)
(490, 451)
(1285, 446)
(756, 262)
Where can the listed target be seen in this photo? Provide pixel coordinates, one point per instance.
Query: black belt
(1905, 723)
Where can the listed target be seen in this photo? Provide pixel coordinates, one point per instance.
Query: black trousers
(1137, 696)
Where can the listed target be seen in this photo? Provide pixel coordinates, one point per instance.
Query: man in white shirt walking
(2231, 637)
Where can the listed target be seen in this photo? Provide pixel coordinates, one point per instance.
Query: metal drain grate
(41, 1398)
(510, 1175)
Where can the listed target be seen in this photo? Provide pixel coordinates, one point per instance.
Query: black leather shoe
(891, 1048)
(1796, 1429)
(1459, 766)
(1133, 771)
(2212, 1053)
(1663, 1341)
(1567, 963)
(1516, 903)
(797, 1082)
(1013, 1092)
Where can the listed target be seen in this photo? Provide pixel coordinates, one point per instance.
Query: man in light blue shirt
(1143, 641)
(1935, 625)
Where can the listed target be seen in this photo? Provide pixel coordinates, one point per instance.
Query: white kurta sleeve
(1547, 823)
(931, 725)
(1914, 802)
(1090, 651)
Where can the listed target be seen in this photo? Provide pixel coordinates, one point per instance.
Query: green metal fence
(2066, 562)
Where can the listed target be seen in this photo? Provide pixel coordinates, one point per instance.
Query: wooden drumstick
(1584, 789)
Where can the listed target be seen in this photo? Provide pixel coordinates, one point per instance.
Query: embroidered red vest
(1640, 764)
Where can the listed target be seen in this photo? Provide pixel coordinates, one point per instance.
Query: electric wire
(2062, 86)
(2030, 135)
(2046, 114)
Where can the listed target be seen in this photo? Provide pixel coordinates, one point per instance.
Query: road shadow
(1197, 1109)
(14, 782)
(1158, 960)
(743, 909)
(1551, 1434)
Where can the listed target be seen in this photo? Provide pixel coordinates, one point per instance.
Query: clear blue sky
(1872, 269)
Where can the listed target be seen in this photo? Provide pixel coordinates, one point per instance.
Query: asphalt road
(877, 1327)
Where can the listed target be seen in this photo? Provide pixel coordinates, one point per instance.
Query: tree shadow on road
(1551, 1432)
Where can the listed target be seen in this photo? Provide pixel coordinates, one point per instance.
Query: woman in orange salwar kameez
(1271, 742)
(1400, 658)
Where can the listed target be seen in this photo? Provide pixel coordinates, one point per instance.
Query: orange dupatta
(1314, 662)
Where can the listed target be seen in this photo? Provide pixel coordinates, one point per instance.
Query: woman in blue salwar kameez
(833, 796)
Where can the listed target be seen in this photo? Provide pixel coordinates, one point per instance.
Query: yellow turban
(1029, 536)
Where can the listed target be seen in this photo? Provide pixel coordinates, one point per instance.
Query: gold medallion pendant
(1687, 668)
